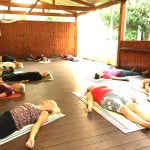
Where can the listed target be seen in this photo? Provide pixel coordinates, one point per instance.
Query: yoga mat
(116, 119)
(91, 77)
(27, 128)
(45, 62)
(14, 95)
(97, 80)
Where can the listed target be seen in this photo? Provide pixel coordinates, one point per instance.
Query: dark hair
(88, 90)
(11, 69)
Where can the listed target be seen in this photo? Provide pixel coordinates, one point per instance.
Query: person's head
(18, 87)
(18, 64)
(46, 75)
(8, 69)
(90, 88)
(50, 106)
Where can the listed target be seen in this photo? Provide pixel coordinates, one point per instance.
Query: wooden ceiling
(66, 8)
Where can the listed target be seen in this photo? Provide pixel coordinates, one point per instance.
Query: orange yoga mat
(14, 95)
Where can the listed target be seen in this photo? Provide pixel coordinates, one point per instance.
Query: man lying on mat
(27, 76)
(118, 74)
(25, 114)
(8, 90)
(109, 100)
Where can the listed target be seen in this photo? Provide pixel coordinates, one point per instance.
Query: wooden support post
(121, 28)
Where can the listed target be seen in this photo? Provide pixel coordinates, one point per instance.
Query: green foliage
(137, 21)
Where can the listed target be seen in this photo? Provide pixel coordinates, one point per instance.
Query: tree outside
(137, 20)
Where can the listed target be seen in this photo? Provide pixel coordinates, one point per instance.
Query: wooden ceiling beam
(33, 7)
(47, 6)
(84, 3)
(37, 13)
(107, 4)
(53, 2)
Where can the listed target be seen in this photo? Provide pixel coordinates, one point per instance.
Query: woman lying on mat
(39, 58)
(67, 57)
(7, 70)
(8, 90)
(27, 76)
(109, 100)
(9, 60)
(11, 64)
(118, 74)
(25, 114)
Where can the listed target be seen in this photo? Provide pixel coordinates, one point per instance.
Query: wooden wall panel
(21, 38)
(135, 54)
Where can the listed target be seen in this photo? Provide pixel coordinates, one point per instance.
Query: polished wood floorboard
(77, 130)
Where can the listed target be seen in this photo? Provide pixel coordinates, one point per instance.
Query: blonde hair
(55, 109)
(48, 76)
(19, 64)
(21, 88)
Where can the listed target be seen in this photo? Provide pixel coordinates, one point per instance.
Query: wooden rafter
(107, 4)
(32, 7)
(53, 2)
(47, 6)
(38, 13)
(84, 3)
(53, 5)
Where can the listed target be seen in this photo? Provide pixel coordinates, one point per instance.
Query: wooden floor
(77, 130)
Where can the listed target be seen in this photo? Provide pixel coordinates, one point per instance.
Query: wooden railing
(134, 54)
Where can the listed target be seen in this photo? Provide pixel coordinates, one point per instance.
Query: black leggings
(7, 124)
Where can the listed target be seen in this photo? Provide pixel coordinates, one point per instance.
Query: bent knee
(123, 109)
(132, 105)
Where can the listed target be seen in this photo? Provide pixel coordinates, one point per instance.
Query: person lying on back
(110, 100)
(8, 90)
(27, 76)
(25, 114)
(118, 74)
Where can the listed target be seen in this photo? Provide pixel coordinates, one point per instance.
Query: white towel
(27, 128)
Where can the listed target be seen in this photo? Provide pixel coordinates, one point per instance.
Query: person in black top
(27, 76)
(7, 58)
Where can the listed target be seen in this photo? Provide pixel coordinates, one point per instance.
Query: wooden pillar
(122, 25)
(75, 37)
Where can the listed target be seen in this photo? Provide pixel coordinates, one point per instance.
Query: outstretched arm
(51, 77)
(119, 78)
(24, 81)
(89, 102)
(41, 120)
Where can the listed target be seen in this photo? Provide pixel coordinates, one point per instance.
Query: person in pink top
(109, 100)
(27, 113)
(118, 74)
